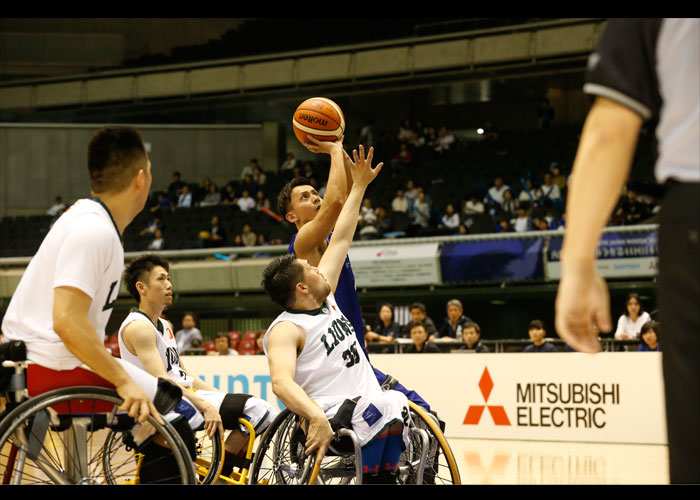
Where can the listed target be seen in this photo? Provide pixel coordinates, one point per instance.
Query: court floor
(541, 462)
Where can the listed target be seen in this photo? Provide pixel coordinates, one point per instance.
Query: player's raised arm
(314, 232)
(362, 173)
(283, 343)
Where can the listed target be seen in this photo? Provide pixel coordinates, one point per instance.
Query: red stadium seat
(247, 346)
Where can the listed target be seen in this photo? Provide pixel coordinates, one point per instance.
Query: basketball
(320, 118)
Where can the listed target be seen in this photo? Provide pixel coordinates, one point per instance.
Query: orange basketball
(320, 118)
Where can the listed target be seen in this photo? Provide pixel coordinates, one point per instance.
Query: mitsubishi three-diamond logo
(498, 413)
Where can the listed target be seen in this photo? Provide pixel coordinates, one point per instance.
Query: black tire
(49, 458)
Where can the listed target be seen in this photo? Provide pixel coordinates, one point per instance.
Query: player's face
(469, 336)
(305, 204)
(160, 289)
(317, 283)
(454, 313)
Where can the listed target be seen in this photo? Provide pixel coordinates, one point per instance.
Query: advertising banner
(619, 255)
(395, 265)
(607, 397)
(494, 260)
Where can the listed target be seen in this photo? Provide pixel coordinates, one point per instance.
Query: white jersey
(82, 250)
(165, 343)
(332, 366)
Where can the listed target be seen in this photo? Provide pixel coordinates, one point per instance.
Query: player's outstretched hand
(582, 301)
(136, 403)
(316, 146)
(318, 436)
(361, 166)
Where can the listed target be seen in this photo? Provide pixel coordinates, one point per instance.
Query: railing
(497, 346)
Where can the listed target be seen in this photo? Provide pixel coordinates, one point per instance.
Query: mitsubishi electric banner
(608, 397)
(619, 255)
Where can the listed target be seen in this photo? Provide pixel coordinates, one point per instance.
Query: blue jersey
(346, 296)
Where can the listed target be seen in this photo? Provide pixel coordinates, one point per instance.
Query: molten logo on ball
(313, 119)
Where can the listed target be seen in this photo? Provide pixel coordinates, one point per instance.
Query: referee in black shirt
(643, 69)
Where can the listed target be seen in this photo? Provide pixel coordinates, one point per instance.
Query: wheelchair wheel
(280, 457)
(440, 466)
(60, 437)
(210, 457)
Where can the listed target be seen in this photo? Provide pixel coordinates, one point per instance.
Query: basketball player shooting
(315, 362)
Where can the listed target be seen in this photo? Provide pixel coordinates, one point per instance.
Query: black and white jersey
(652, 66)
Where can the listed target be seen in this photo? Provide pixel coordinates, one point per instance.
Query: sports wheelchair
(280, 457)
(58, 436)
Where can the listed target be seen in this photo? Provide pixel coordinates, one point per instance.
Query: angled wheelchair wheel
(280, 458)
(439, 465)
(210, 457)
(66, 436)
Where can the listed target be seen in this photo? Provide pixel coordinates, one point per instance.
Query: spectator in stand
(537, 332)
(289, 163)
(503, 225)
(420, 315)
(386, 329)
(153, 225)
(57, 208)
(262, 243)
(214, 236)
(445, 140)
(175, 187)
(550, 191)
(557, 177)
(420, 132)
(406, 133)
(630, 323)
(650, 335)
(421, 211)
(308, 170)
(540, 223)
(545, 115)
(259, 176)
(495, 195)
(261, 201)
(366, 137)
(509, 205)
(246, 203)
(471, 333)
(402, 160)
(400, 202)
(472, 209)
(212, 198)
(248, 169)
(222, 342)
(162, 204)
(462, 231)
(384, 222)
(184, 200)
(453, 325)
(248, 237)
(411, 194)
(158, 242)
(189, 336)
(451, 218)
(522, 221)
(529, 194)
(367, 222)
(632, 209)
(421, 344)
(229, 197)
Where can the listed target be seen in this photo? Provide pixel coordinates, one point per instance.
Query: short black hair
(114, 154)
(280, 278)
(473, 325)
(418, 305)
(284, 199)
(651, 325)
(139, 269)
(416, 324)
(537, 324)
